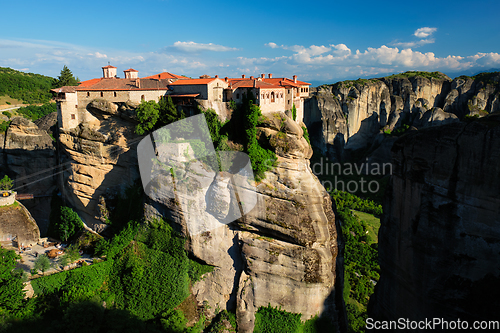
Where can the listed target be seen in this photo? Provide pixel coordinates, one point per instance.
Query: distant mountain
(28, 87)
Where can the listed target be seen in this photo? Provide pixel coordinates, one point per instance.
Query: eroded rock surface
(439, 242)
(99, 160)
(29, 157)
(350, 115)
(283, 252)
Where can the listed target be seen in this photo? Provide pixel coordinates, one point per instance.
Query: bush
(6, 183)
(34, 112)
(42, 263)
(274, 320)
(69, 223)
(7, 113)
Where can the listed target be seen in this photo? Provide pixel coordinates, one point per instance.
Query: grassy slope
(372, 222)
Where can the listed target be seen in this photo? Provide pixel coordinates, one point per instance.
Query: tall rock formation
(283, 252)
(439, 241)
(28, 157)
(98, 159)
(351, 116)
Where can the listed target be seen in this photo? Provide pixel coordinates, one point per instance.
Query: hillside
(27, 87)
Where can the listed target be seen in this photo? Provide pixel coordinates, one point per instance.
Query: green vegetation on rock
(34, 112)
(361, 268)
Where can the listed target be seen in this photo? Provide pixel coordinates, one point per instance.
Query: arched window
(272, 97)
(143, 98)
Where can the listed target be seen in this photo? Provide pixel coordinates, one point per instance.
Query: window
(88, 93)
(237, 96)
(102, 94)
(143, 98)
(114, 93)
(272, 97)
(72, 116)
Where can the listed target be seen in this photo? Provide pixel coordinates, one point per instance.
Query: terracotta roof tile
(165, 75)
(130, 70)
(124, 84)
(89, 82)
(192, 81)
(109, 66)
(253, 83)
(65, 89)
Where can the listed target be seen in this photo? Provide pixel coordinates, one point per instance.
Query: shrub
(6, 183)
(42, 263)
(34, 112)
(68, 224)
(7, 113)
(274, 320)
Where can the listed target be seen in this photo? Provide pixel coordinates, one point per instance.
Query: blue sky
(320, 41)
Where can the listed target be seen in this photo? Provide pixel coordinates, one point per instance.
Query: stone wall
(6, 201)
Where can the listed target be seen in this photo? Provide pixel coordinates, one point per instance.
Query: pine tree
(66, 78)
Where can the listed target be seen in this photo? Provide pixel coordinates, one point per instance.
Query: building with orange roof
(72, 101)
(272, 94)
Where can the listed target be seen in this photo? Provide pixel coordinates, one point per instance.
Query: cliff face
(352, 115)
(439, 241)
(283, 252)
(98, 160)
(28, 156)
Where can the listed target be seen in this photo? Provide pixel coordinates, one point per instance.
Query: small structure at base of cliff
(439, 241)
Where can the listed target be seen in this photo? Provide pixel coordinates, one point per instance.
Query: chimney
(226, 79)
(243, 76)
(216, 76)
(295, 79)
(251, 77)
(270, 75)
(262, 76)
(255, 83)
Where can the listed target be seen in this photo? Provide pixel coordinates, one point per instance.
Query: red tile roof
(122, 84)
(130, 70)
(282, 81)
(165, 75)
(65, 89)
(109, 66)
(89, 82)
(253, 83)
(192, 81)
(185, 95)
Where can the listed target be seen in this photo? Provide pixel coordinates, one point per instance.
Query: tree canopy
(66, 78)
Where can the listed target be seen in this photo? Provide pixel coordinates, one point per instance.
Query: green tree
(42, 263)
(11, 286)
(148, 114)
(168, 111)
(5, 183)
(68, 224)
(66, 78)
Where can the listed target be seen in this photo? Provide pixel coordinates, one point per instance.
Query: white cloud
(198, 47)
(424, 32)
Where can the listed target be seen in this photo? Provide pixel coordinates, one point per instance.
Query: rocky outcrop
(29, 158)
(349, 115)
(439, 241)
(99, 160)
(283, 252)
(16, 223)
